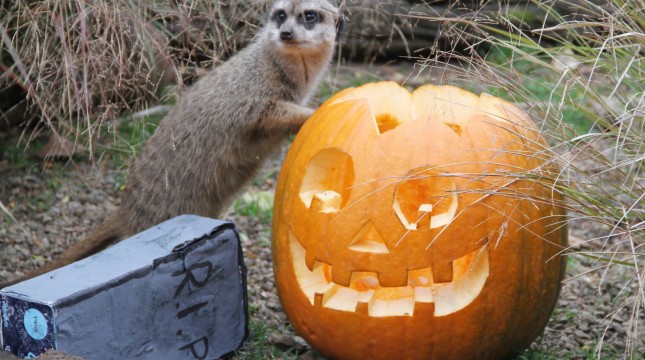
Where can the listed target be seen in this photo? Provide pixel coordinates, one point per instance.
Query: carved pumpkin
(400, 232)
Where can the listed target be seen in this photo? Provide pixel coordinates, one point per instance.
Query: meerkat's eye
(280, 16)
(311, 17)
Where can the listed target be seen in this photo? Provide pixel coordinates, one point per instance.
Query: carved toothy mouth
(366, 295)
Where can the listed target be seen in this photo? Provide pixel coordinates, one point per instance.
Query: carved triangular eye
(425, 199)
(328, 179)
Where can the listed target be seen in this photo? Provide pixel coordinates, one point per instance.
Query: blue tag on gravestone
(29, 325)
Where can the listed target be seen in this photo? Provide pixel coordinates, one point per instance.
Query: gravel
(56, 203)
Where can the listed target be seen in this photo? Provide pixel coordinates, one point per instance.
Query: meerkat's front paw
(291, 116)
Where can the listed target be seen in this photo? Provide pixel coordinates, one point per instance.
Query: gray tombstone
(175, 291)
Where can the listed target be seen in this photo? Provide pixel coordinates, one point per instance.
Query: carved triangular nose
(368, 239)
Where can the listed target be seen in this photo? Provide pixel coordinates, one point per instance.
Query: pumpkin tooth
(364, 281)
(442, 272)
(340, 298)
(393, 279)
(319, 296)
(310, 259)
(420, 277)
(312, 282)
(340, 276)
(363, 308)
(393, 302)
(423, 295)
(365, 302)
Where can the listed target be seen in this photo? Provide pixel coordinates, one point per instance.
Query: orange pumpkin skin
(399, 230)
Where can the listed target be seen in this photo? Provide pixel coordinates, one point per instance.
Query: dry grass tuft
(80, 64)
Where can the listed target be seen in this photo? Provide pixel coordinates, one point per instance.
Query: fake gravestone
(177, 290)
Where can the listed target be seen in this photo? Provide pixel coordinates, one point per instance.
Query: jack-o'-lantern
(402, 228)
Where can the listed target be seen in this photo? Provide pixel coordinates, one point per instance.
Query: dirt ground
(50, 205)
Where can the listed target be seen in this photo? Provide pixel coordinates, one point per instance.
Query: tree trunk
(394, 29)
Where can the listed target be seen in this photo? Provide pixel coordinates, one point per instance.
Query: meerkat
(223, 127)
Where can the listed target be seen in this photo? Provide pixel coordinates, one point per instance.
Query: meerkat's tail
(108, 232)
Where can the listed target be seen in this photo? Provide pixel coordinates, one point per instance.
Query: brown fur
(221, 130)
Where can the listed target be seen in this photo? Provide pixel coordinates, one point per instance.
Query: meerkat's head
(303, 25)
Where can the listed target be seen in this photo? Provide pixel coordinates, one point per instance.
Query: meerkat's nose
(286, 35)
